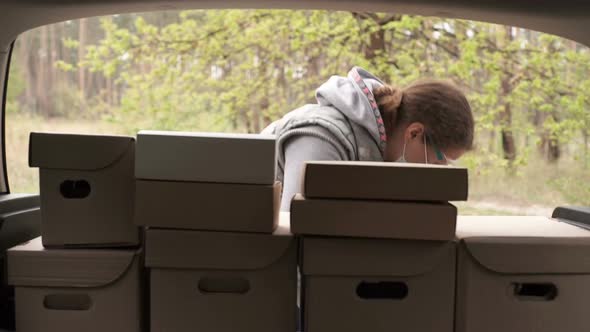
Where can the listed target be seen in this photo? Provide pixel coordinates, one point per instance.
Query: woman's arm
(298, 150)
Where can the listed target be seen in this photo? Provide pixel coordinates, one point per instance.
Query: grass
(536, 190)
(467, 209)
(21, 177)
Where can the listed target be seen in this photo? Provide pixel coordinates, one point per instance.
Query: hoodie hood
(353, 97)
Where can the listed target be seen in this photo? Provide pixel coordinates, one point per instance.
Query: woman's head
(428, 121)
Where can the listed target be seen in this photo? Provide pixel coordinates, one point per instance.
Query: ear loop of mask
(402, 159)
(425, 149)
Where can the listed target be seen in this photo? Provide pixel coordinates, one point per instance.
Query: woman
(358, 117)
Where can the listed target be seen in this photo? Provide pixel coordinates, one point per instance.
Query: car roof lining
(566, 18)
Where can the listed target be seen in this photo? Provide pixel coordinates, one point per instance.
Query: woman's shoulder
(313, 113)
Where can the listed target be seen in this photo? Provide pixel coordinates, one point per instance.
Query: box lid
(525, 245)
(374, 218)
(575, 215)
(167, 248)
(384, 181)
(73, 151)
(19, 226)
(29, 264)
(372, 257)
(205, 157)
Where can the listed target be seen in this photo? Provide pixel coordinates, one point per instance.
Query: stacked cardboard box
(20, 221)
(217, 260)
(84, 273)
(522, 274)
(380, 200)
(377, 249)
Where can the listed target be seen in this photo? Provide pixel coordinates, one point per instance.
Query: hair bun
(389, 98)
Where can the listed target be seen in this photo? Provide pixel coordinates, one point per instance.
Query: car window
(238, 70)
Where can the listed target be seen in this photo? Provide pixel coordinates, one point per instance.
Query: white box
(91, 290)
(373, 219)
(20, 221)
(220, 281)
(522, 274)
(377, 285)
(205, 157)
(370, 180)
(207, 206)
(87, 189)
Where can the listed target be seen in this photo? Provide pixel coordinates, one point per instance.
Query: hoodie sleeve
(298, 150)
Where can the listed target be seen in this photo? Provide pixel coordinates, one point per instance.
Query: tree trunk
(263, 103)
(553, 151)
(43, 83)
(538, 120)
(53, 54)
(376, 44)
(109, 91)
(25, 58)
(585, 149)
(82, 36)
(508, 144)
(553, 147)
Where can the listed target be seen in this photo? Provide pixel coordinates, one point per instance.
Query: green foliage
(574, 189)
(16, 86)
(238, 70)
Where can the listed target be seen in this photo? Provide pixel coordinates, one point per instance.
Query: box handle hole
(535, 291)
(74, 189)
(73, 302)
(224, 285)
(382, 290)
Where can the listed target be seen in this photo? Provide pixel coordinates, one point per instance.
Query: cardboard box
(522, 274)
(15, 227)
(207, 206)
(87, 189)
(384, 181)
(205, 157)
(91, 290)
(374, 219)
(219, 281)
(378, 285)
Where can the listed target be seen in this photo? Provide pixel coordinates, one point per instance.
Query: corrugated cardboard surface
(376, 219)
(500, 255)
(16, 228)
(215, 250)
(102, 219)
(50, 282)
(333, 268)
(205, 157)
(220, 281)
(386, 181)
(20, 221)
(207, 206)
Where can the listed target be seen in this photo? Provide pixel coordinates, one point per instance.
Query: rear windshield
(239, 70)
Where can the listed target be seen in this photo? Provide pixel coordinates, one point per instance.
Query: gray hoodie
(345, 124)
